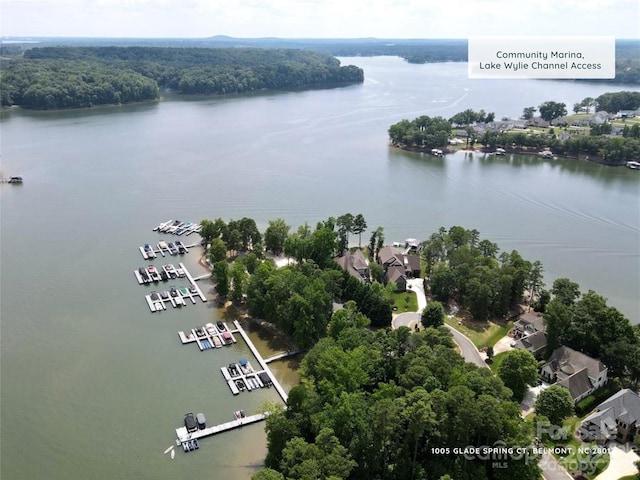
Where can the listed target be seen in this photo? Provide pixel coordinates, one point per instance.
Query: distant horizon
(317, 19)
(268, 37)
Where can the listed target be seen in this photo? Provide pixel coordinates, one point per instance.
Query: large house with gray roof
(617, 418)
(529, 334)
(577, 372)
(398, 266)
(355, 265)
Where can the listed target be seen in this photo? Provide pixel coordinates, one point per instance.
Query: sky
(318, 18)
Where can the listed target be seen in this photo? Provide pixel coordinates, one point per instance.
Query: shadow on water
(267, 336)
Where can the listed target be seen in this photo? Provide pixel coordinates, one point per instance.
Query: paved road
(407, 319)
(551, 469)
(467, 348)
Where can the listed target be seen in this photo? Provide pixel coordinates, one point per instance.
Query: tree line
(71, 77)
(472, 272)
(389, 404)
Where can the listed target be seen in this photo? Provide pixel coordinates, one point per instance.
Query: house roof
(413, 261)
(353, 263)
(578, 384)
(533, 343)
(532, 320)
(623, 405)
(565, 361)
(396, 274)
(389, 256)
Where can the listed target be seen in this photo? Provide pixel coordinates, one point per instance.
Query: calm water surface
(93, 385)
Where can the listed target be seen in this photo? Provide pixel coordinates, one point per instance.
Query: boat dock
(262, 363)
(176, 297)
(241, 376)
(208, 336)
(185, 436)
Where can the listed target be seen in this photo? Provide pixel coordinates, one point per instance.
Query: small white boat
(173, 454)
(168, 449)
(633, 165)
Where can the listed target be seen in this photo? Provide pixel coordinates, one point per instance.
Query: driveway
(407, 319)
(621, 463)
(503, 345)
(417, 285)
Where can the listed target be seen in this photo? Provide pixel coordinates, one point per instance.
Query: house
(399, 266)
(626, 114)
(529, 334)
(355, 265)
(577, 372)
(528, 324)
(617, 418)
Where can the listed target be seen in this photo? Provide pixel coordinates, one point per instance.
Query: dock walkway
(282, 355)
(261, 361)
(184, 436)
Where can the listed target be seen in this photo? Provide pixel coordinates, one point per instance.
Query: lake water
(94, 385)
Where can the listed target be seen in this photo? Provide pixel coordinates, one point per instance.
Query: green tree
(217, 250)
(528, 112)
(267, 474)
(275, 236)
(433, 315)
(549, 111)
(518, 370)
(565, 291)
(221, 278)
(239, 278)
(555, 403)
(359, 226)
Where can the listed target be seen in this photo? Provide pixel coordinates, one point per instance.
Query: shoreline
(517, 151)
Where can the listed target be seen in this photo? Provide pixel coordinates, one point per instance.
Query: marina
(209, 336)
(239, 377)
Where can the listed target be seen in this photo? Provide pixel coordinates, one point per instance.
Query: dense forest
(412, 50)
(398, 406)
(72, 77)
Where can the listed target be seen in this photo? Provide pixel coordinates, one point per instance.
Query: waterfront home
(355, 265)
(529, 334)
(399, 266)
(617, 418)
(577, 372)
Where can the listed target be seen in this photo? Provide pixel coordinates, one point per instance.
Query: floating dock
(208, 333)
(246, 373)
(181, 294)
(185, 436)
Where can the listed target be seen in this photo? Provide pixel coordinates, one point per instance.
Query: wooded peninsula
(377, 402)
(78, 77)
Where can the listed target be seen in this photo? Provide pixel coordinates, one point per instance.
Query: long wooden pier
(261, 361)
(184, 436)
(193, 282)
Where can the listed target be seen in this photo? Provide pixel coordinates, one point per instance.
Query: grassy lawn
(405, 301)
(579, 459)
(497, 360)
(482, 334)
